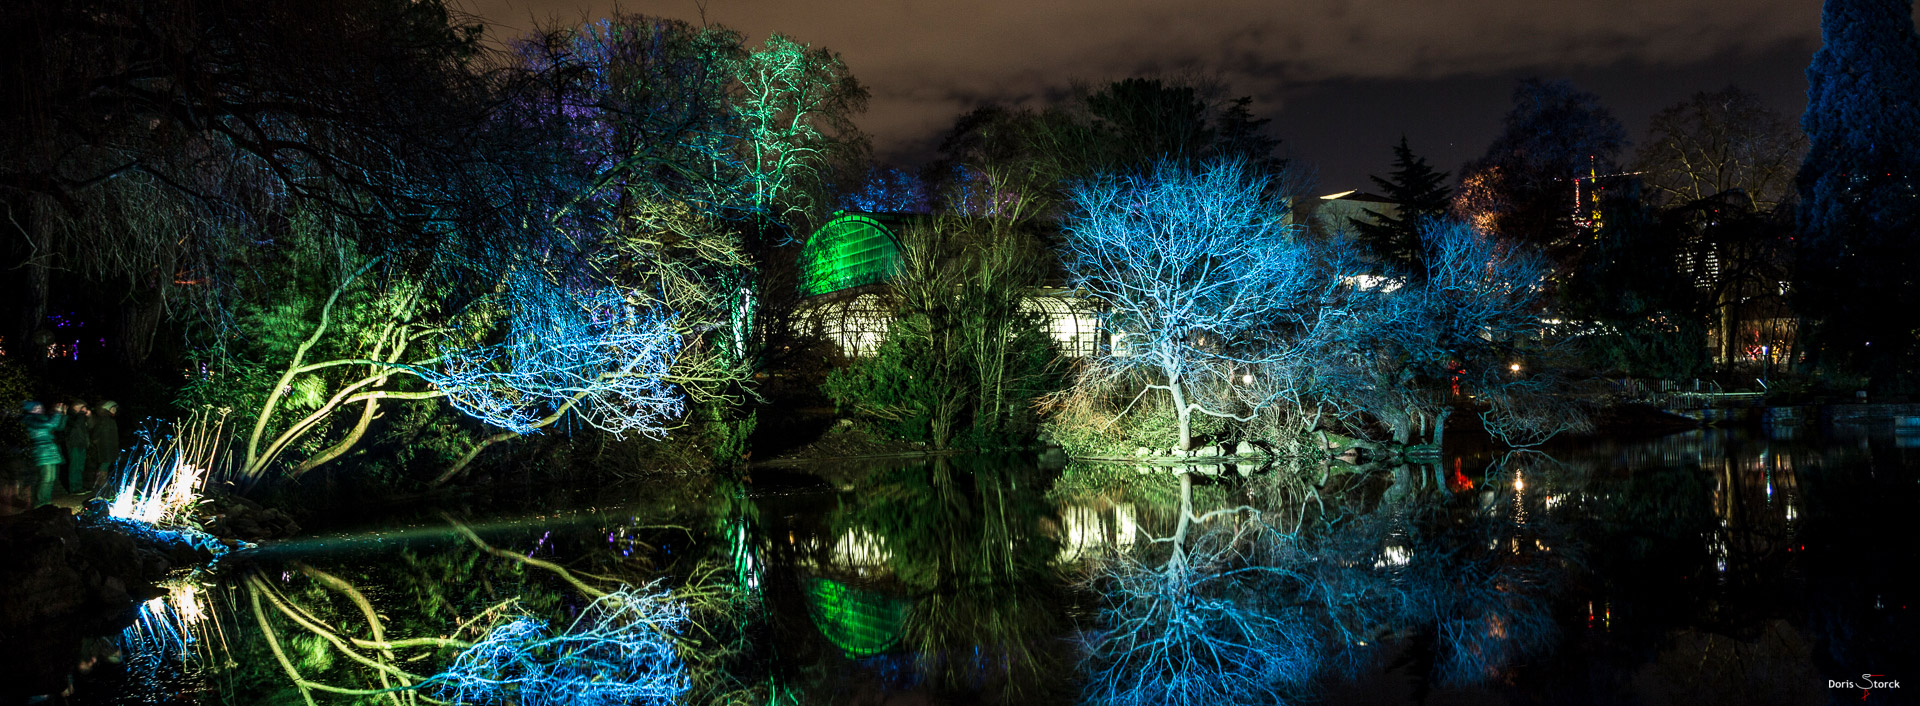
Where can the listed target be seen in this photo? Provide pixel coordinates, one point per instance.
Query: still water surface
(1716, 566)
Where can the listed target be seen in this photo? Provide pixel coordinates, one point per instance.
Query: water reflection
(1713, 567)
(180, 626)
(1089, 528)
(951, 561)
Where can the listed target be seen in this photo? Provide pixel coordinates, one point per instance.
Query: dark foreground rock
(61, 580)
(235, 517)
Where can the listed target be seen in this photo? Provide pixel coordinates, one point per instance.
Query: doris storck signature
(1866, 684)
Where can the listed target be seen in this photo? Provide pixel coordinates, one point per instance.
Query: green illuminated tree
(797, 104)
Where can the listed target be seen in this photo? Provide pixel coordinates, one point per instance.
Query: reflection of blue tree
(1241, 612)
(1202, 627)
(620, 650)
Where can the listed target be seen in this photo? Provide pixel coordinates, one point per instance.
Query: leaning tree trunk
(1182, 413)
(1177, 563)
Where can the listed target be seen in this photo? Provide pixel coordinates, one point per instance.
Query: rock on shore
(61, 580)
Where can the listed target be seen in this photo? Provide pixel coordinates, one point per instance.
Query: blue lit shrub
(593, 353)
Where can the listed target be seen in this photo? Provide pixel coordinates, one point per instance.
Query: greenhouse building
(844, 263)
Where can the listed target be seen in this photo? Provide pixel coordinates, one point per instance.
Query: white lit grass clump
(162, 482)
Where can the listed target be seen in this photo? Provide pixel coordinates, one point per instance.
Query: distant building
(1327, 216)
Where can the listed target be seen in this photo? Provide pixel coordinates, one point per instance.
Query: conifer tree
(1859, 209)
(1422, 196)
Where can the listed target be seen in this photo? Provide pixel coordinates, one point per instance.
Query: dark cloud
(927, 61)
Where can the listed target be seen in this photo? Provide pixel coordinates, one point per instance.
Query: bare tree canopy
(1717, 142)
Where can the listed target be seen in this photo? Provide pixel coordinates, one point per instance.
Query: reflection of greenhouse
(1087, 530)
(844, 261)
(860, 622)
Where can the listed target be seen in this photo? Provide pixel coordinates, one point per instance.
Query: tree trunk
(1183, 414)
(140, 318)
(33, 313)
(1440, 427)
(1178, 562)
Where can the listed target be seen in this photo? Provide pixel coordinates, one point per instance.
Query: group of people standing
(85, 441)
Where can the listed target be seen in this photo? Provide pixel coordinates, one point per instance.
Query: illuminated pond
(1706, 567)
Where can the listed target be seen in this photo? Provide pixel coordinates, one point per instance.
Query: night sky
(1341, 79)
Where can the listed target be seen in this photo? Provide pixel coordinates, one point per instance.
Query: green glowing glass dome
(851, 250)
(860, 622)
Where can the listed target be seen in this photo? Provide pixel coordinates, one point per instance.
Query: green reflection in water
(861, 623)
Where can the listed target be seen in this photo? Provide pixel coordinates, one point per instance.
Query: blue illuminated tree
(1413, 347)
(521, 360)
(1201, 281)
(1859, 200)
(886, 190)
(594, 353)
